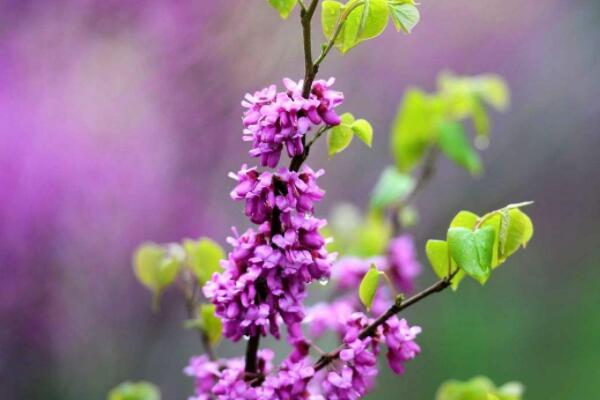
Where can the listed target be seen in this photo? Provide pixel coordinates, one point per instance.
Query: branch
(336, 32)
(306, 15)
(309, 70)
(252, 355)
(439, 286)
(427, 172)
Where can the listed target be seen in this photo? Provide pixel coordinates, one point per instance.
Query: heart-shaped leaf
(441, 262)
(284, 7)
(155, 268)
(363, 130)
(404, 14)
(204, 257)
(472, 250)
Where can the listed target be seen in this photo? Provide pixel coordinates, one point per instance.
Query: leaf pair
(340, 136)
(477, 245)
(426, 120)
(157, 267)
(360, 20)
(479, 388)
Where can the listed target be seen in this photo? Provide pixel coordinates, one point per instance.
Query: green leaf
(464, 219)
(339, 138)
(472, 250)
(391, 188)
(155, 269)
(363, 130)
(366, 20)
(330, 15)
(404, 14)
(511, 391)
(412, 129)
(455, 145)
(204, 258)
(441, 262)
(478, 388)
(211, 324)
(493, 90)
(368, 286)
(519, 230)
(347, 119)
(134, 391)
(284, 7)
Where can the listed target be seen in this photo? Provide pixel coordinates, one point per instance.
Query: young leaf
(493, 90)
(454, 143)
(518, 231)
(134, 391)
(368, 286)
(464, 219)
(363, 130)
(404, 14)
(330, 15)
(339, 138)
(441, 262)
(284, 7)
(366, 20)
(211, 324)
(204, 257)
(154, 269)
(472, 250)
(412, 129)
(391, 187)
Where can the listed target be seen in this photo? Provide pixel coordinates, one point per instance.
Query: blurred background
(119, 121)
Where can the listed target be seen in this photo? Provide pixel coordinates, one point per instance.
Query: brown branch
(306, 15)
(327, 358)
(427, 172)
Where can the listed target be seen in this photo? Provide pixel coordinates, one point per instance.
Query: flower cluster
(277, 119)
(356, 375)
(265, 275)
(264, 278)
(264, 281)
(225, 379)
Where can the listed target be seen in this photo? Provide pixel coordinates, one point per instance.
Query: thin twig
(338, 29)
(427, 172)
(393, 310)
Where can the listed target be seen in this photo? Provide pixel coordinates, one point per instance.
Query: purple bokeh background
(119, 121)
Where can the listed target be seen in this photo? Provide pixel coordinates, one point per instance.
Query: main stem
(306, 15)
(370, 330)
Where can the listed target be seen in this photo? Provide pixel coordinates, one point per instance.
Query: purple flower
(400, 340)
(298, 191)
(274, 120)
(403, 265)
